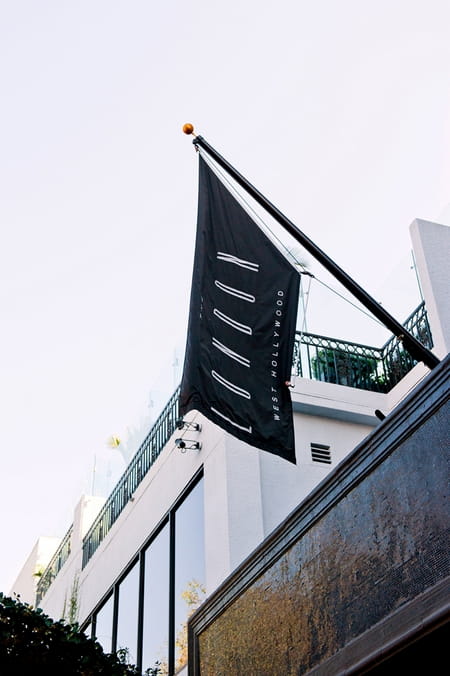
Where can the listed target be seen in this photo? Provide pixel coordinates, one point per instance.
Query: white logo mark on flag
(230, 353)
(231, 386)
(241, 427)
(229, 258)
(232, 322)
(235, 292)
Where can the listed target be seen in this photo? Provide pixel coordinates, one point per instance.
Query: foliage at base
(33, 643)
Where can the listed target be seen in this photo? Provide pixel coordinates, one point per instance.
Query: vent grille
(321, 453)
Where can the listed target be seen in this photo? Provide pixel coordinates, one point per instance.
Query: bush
(33, 643)
(345, 368)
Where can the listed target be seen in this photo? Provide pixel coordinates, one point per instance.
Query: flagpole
(414, 347)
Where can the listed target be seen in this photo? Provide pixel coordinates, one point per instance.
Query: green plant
(345, 368)
(70, 610)
(32, 643)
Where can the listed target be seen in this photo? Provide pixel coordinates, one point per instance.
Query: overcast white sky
(338, 110)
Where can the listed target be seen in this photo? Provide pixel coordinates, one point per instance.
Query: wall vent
(321, 453)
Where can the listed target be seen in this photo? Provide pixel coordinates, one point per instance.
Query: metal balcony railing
(361, 366)
(315, 357)
(58, 560)
(397, 362)
(144, 458)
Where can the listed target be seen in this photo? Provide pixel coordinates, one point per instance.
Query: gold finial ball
(188, 128)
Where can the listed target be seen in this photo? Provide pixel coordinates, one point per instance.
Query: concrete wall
(431, 243)
(39, 557)
(67, 583)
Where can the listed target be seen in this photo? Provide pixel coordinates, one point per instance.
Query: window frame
(139, 558)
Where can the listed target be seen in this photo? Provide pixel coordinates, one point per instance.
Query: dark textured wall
(383, 542)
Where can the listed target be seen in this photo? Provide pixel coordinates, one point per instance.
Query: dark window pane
(189, 567)
(156, 603)
(103, 625)
(127, 616)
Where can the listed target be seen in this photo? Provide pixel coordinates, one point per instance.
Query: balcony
(58, 560)
(360, 366)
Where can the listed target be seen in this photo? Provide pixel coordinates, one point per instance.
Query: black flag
(241, 330)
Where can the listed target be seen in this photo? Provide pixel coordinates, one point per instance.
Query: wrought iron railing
(316, 357)
(361, 366)
(56, 563)
(144, 458)
(337, 361)
(397, 361)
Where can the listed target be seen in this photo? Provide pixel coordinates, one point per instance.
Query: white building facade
(132, 569)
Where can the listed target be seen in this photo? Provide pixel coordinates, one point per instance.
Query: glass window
(104, 623)
(127, 615)
(174, 557)
(189, 567)
(88, 630)
(156, 603)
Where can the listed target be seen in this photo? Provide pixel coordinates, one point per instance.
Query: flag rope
(290, 253)
(249, 209)
(410, 342)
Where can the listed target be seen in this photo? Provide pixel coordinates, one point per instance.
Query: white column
(431, 244)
